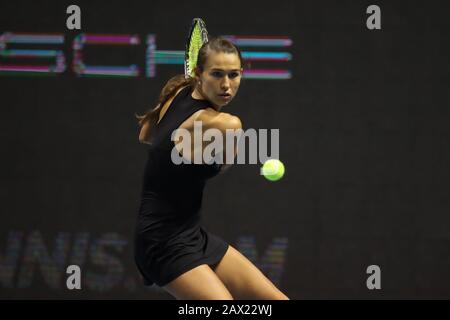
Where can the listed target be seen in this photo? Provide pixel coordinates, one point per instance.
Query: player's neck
(196, 94)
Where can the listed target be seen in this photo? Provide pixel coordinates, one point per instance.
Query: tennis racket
(197, 36)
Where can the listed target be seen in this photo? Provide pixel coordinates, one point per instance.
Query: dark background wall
(364, 136)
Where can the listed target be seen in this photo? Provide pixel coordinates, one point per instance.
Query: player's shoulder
(214, 119)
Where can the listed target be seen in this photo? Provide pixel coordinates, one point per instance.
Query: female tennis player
(172, 249)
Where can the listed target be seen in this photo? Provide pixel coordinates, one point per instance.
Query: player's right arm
(212, 119)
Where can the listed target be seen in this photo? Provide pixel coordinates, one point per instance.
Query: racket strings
(197, 38)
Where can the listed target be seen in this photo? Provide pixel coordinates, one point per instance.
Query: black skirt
(161, 261)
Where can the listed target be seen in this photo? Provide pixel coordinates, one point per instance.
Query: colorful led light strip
(31, 38)
(103, 71)
(264, 41)
(155, 57)
(266, 56)
(267, 74)
(259, 41)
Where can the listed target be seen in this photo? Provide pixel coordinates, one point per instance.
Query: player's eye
(233, 75)
(217, 74)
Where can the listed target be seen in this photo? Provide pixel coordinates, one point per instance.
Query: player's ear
(197, 74)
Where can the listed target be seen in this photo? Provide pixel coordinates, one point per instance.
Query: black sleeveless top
(169, 239)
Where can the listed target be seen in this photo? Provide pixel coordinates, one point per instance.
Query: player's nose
(225, 85)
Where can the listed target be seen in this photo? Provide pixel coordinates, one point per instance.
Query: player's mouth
(225, 96)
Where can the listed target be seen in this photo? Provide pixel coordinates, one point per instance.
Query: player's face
(220, 78)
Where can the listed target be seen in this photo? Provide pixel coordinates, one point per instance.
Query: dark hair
(217, 44)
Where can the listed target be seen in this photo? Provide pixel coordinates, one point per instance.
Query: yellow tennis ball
(273, 169)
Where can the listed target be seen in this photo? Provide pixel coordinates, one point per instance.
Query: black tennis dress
(169, 239)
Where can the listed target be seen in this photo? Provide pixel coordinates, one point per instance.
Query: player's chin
(223, 102)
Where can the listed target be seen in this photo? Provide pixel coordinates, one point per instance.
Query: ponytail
(167, 92)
